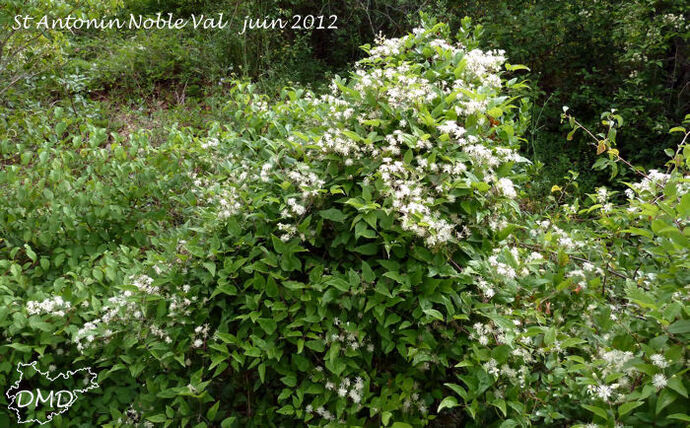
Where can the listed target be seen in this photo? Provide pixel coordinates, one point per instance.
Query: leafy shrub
(145, 62)
(357, 258)
(327, 249)
(27, 54)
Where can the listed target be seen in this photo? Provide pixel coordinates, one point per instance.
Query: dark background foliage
(591, 56)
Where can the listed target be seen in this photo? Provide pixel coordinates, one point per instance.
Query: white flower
(491, 367)
(659, 381)
(659, 361)
(505, 186)
(53, 306)
(604, 392)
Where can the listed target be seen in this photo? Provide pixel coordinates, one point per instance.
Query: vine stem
(579, 259)
(618, 156)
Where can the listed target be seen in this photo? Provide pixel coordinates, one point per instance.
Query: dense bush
(27, 55)
(360, 258)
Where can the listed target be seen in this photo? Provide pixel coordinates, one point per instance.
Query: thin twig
(579, 259)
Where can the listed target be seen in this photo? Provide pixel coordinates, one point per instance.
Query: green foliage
(26, 54)
(591, 56)
(315, 242)
(359, 256)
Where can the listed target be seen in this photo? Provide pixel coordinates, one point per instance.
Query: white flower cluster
(675, 21)
(386, 47)
(117, 308)
(228, 204)
(659, 381)
(659, 361)
(615, 361)
(335, 141)
(295, 208)
(346, 388)
(486, 289)
(201, 333)
(265, 172)
(502, 269)
(321, 412)
(554, 235)
(653, 182)
(160, 333)
(56, 306)
(412, 207)
(451, 128)
(144, 284)
(308, 182)
(349, 339)
(603, 392)
(506, 188)
(125, 312)
(289, 230)
(402, 88)
(481, 333)
(484, 64)
(210, 143)
(180, 305)
(416, 401)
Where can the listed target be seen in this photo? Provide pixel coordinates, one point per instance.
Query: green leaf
(495, 112)
(226, 337)
(597, 411)
(684, 206)
(20, 347)
(271, 287)
(434, 313)
(211, 267)
(32, 255)
(680, 327)
(666, 397)
(679, 417)
(457, 388)
(626, 408)
(61, 126)
(159, 418)
(676, 384)
(228, 422)
(289, 380)
(268, 325)
(340, 284)
(447, 403)
(228, 289)
(367, 249)
(515, 67)
(262, 372)
(286, 410)
(501, 405)
(211, 413)
(333, 214)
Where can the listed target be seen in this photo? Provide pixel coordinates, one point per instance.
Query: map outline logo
(13, 398)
